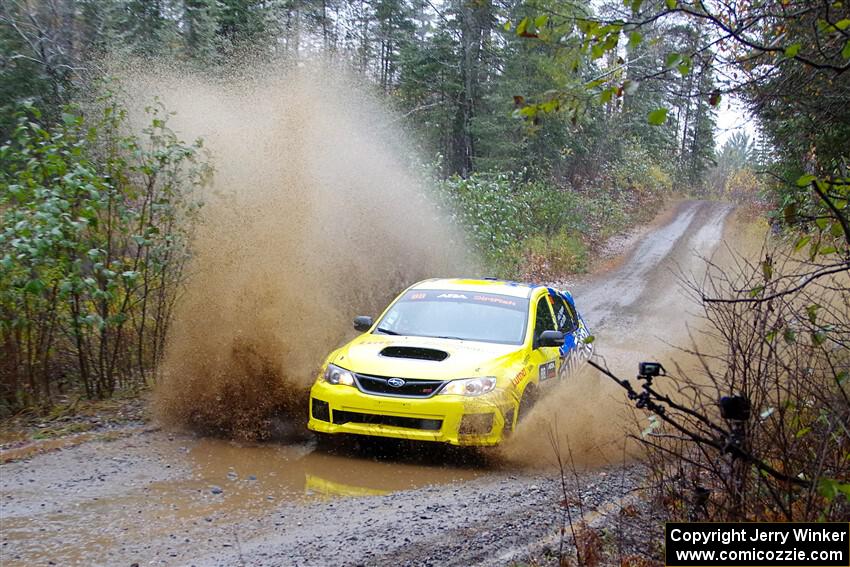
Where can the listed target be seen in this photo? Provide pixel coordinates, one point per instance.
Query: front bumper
(457, 420)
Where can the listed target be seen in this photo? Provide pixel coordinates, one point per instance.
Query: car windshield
(462, 315)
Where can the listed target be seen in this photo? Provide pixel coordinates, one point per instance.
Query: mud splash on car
(315, 215)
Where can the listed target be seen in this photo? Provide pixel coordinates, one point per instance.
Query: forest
(544, 126)
(538, 149)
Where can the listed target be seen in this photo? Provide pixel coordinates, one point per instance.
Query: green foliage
(540, 230)
(96, 226)
(657, 117)
(556, 255)
(486, 206)
(640, 171)
(825, 223)
(506, 218)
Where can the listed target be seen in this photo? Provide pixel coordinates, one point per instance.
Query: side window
(565, 316)
(543, 321)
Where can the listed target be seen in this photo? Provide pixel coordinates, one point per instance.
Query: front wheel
(529, 398)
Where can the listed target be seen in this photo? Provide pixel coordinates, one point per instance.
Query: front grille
(411, 389)
(342, 417)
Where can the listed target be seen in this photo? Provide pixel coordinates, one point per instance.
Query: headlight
(470, 386)
(336, 375)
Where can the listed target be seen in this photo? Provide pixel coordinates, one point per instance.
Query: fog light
(476, 424)
(320, 410)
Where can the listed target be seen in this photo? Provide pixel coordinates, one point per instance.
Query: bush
(639, 171)
(550, 257)
(519, 228)
(552, 209)
(487, 207)
(742, 186)
(96, 226)
(785, 347)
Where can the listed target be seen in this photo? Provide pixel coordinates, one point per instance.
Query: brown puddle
(224, 482)
(304, 472)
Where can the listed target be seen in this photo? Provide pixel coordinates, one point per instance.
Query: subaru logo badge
(395, 382)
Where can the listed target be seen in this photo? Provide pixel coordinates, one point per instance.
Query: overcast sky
(731, 118)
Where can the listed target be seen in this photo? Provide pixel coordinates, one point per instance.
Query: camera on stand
(735, 410)
(650, 370)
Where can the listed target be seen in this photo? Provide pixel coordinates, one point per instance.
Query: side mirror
(363, 323)
(551, 339)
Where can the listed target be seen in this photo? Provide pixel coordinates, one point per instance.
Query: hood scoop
(417, 353)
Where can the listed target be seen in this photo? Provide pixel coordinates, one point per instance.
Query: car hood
(368, 354)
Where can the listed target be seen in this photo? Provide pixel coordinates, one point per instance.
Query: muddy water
(302, 471)
(155, 497)
(193, 483)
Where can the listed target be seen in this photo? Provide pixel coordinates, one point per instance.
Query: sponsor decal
(577, 354)
(561, 315)
(448, 295)
(495, 299)
(547, 371)
(520, 375)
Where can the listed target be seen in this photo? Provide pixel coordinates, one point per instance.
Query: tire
(529, 398)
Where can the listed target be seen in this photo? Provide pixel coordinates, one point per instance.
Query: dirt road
(165, 498)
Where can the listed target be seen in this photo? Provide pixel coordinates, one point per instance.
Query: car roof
(487, 285)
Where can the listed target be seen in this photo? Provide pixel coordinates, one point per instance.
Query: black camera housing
(735, 408)
(650, 369)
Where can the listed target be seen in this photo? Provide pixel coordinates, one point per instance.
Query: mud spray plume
(313, 217)
(585, 415)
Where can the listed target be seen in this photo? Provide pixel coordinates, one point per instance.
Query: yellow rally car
(453, 360)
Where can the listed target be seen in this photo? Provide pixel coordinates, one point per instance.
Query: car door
(575, 351)
(544, 360)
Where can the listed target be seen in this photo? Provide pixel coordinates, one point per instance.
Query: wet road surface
(165, 498)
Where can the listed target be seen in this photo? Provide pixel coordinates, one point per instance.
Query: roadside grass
(73, 415)
(547, 258)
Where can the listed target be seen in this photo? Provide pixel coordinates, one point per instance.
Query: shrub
(96, 226)
(487, 208)
(551, 257)
(639, 171)
(530, 229)
(552, 208)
